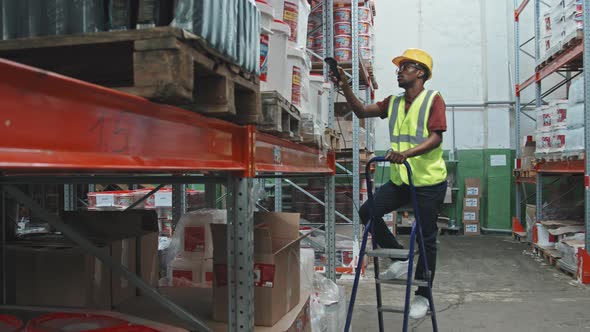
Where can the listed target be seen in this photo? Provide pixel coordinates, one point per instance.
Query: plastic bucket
(264, 48)
(342, 14)
(295, 14)
(276, 59)
(364, 28)
(364, 14)
(366, 53)
(342, 28)
(318, 41)
(73, 322)
(343, 54)
(291, 17)
(299, 66)
(364, 40)
(10, 323)
(343, 41)
(266, 16)
(124, 199)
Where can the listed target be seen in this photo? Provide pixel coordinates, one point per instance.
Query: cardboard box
(64, 275)
(276, 267)
(390, 220)
(297, 320)
(56, 272)
(471, 228)
(472, 187)
(470, 216)
(471, 203)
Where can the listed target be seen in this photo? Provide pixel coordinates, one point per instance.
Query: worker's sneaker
(395, 271)
(419, 307)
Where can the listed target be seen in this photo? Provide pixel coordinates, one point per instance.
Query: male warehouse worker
(416, 124)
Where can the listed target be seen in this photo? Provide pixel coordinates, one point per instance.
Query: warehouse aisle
(488, 283)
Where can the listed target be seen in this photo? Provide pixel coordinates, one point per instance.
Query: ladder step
(402, 282)
(396, 310)
(389, 253)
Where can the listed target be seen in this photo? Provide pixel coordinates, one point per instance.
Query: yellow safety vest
(409, 129)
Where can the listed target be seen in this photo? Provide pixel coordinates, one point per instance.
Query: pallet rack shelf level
(55, 128)
(575, 56)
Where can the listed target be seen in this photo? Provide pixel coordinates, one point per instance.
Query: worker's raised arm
(361, 111)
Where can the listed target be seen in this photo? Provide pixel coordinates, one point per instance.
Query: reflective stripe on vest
(419, 137)
(409, 129)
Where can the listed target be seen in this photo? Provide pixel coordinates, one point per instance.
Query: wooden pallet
(163, 64)
(550, 255)
(332, 138)
(280, 117)
(524, 173)
(519, 236)
(570, 43)
(345, 155)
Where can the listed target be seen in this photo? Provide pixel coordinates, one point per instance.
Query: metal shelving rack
(359, 72)
(60, 130)
(574, 58)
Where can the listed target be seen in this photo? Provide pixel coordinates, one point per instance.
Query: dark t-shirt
(437, 120)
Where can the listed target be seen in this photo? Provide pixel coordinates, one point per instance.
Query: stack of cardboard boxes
(471, 205)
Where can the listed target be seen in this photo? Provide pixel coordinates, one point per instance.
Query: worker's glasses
(406, 66)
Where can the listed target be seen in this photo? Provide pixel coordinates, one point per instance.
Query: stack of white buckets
(284, 64)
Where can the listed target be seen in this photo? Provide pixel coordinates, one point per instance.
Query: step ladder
(398, 254)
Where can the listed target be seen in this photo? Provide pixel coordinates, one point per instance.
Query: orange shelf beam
(570, 59)
(562, 167)
(55, 124)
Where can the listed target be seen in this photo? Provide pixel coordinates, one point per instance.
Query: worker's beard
(406, 84)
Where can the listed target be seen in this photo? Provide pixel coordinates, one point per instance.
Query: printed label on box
(163, 199)
(471, 228)
(264, 275)
(472, 191)
(220, 275)
(469, 216)
(471, 202)
(346, 258)
(194, 239)
(180, 277)
(388, 217)
(561, 114)
(105, 200)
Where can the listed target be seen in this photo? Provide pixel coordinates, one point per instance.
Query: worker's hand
(343, 81)
(395, 157)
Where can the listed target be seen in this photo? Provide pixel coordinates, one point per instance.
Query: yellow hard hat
(416, 55)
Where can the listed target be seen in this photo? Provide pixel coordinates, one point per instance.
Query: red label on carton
(194, 239)
(561, 115)
(264, 275)
(180, 277)
(346, 258)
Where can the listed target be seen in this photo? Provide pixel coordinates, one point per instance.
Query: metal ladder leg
(422, 250)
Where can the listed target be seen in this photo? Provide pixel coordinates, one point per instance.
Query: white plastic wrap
(560, 114)
(543, 143)
(575, 116)
(558, 141)
(574, 141)
(569, 254)
(328, 305)
(544, 115)
(576, 91)
(189, 257)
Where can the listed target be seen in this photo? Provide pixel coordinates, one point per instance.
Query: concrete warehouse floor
(486, 283)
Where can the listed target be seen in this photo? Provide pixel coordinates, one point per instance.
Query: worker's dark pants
(391, 197)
